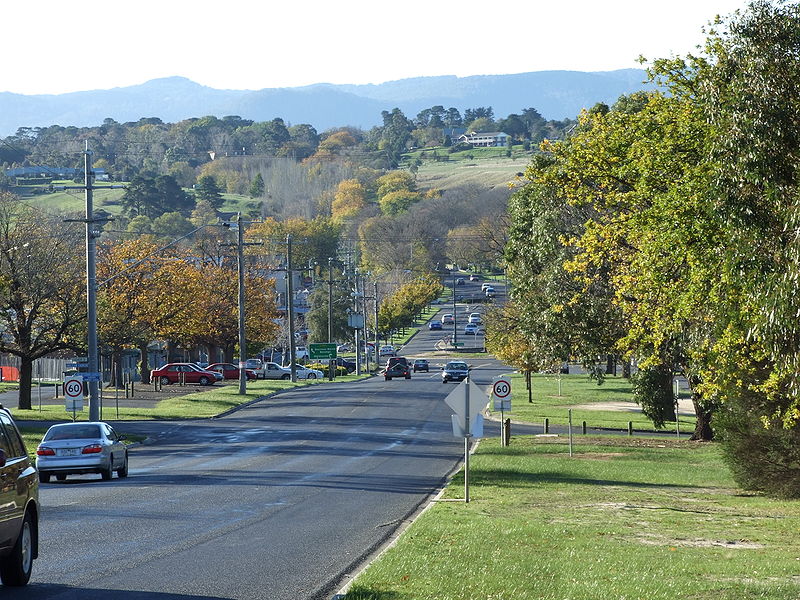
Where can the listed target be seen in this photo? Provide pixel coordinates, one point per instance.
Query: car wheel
(312, 376)
(122, 472)
(61, 477)
(107, 473)
(204, 380)
(165, 380)
(15, 569)
(408, 376)
(444, 380)
(286, 376)
(44, 477)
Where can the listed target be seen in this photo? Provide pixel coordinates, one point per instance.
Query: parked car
(421, 365)
(471, 329)
(190, 372)
(347, 364)
(435, 325)
(398, 369)
(231, 371)
(387, 351)
(455, 370)
(19, 499)
(448, 319)
(304, 372)
(485, 285)
(474, 277)
(78, 448)
(343, 348)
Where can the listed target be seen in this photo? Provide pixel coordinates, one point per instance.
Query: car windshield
(73, 432)
(457, 366)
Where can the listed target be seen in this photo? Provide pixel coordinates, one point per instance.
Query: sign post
(466, 400)
(73, 394)
(501, 397)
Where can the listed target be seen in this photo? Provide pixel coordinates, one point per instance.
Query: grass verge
(202, 405)
(623, 518)
(554, 395)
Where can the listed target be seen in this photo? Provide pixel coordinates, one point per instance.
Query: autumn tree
(349, 199)
(42, 275)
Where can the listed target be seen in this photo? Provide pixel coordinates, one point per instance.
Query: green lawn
(552, 400)
(627, 519)
(201, 405)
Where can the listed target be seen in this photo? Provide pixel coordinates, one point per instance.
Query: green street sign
(321, 351)
(458, 344)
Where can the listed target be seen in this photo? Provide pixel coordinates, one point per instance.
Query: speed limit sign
(73, 393)
(501, 393)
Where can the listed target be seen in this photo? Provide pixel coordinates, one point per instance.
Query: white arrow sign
(457, 400)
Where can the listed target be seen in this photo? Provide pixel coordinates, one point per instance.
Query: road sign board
(322, 351)
(501, 393)
(457, 400)
(73, 393)
(91, 376)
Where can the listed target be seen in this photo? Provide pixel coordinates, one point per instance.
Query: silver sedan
(78, 448)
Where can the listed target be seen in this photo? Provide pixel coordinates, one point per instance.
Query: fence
(49, 369)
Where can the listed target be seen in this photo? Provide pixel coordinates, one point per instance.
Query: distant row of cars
(398, 366)
(192, 373)
(474, 321)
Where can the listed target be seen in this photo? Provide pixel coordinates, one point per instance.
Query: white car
(304, 372)
(475, 318)
(387, 351)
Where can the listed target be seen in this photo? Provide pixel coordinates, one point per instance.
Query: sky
(52, 47)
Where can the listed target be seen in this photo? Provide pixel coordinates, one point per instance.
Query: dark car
(230, 371)
(421, 365)
(347, 364)
(19, 499)
(455, 370)
(398, 369)
(435, 325)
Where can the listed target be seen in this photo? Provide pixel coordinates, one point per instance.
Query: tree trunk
(529, 386)
(25, 379)
(116, 369)
(144, 369)
(611, 364)
(702, 429)
(626, 368)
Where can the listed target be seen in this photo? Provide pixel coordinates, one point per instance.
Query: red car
(230, 371)
(191, 373)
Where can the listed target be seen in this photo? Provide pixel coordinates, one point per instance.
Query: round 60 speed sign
(501, 393)
(73, 388)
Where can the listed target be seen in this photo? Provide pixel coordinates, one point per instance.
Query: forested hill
(556, 94)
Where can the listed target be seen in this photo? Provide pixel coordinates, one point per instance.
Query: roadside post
(466, 400)
(501, 398)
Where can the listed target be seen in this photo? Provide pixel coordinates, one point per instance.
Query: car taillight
(45, 451)
(93, 449)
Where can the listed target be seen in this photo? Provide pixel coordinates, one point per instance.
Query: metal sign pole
(466, 439)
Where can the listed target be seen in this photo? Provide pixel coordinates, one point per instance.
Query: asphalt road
(279, 500)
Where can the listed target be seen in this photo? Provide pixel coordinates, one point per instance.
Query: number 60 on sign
(501, 393)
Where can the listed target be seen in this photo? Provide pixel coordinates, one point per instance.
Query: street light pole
(242, 336)
(455, 314)
(290, 307)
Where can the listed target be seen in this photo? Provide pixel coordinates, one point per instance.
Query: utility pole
(364, 313)
(290, 306)
(330, 300)
(91, 290)
(455, 315)
(375, 283)
(242, 336)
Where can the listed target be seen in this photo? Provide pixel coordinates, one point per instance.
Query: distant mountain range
(555, 94)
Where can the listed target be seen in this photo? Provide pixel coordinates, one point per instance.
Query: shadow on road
(44, 591)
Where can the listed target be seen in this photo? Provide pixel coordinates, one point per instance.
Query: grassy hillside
(489, 167)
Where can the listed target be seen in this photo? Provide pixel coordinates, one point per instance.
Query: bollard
(132, 392)
(57, 386)
(547, 425)
(506, 441)
(583, 427)
(630, 427)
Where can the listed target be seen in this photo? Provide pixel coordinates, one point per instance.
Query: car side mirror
(2, 458)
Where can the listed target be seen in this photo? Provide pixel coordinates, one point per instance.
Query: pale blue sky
(52, 47)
